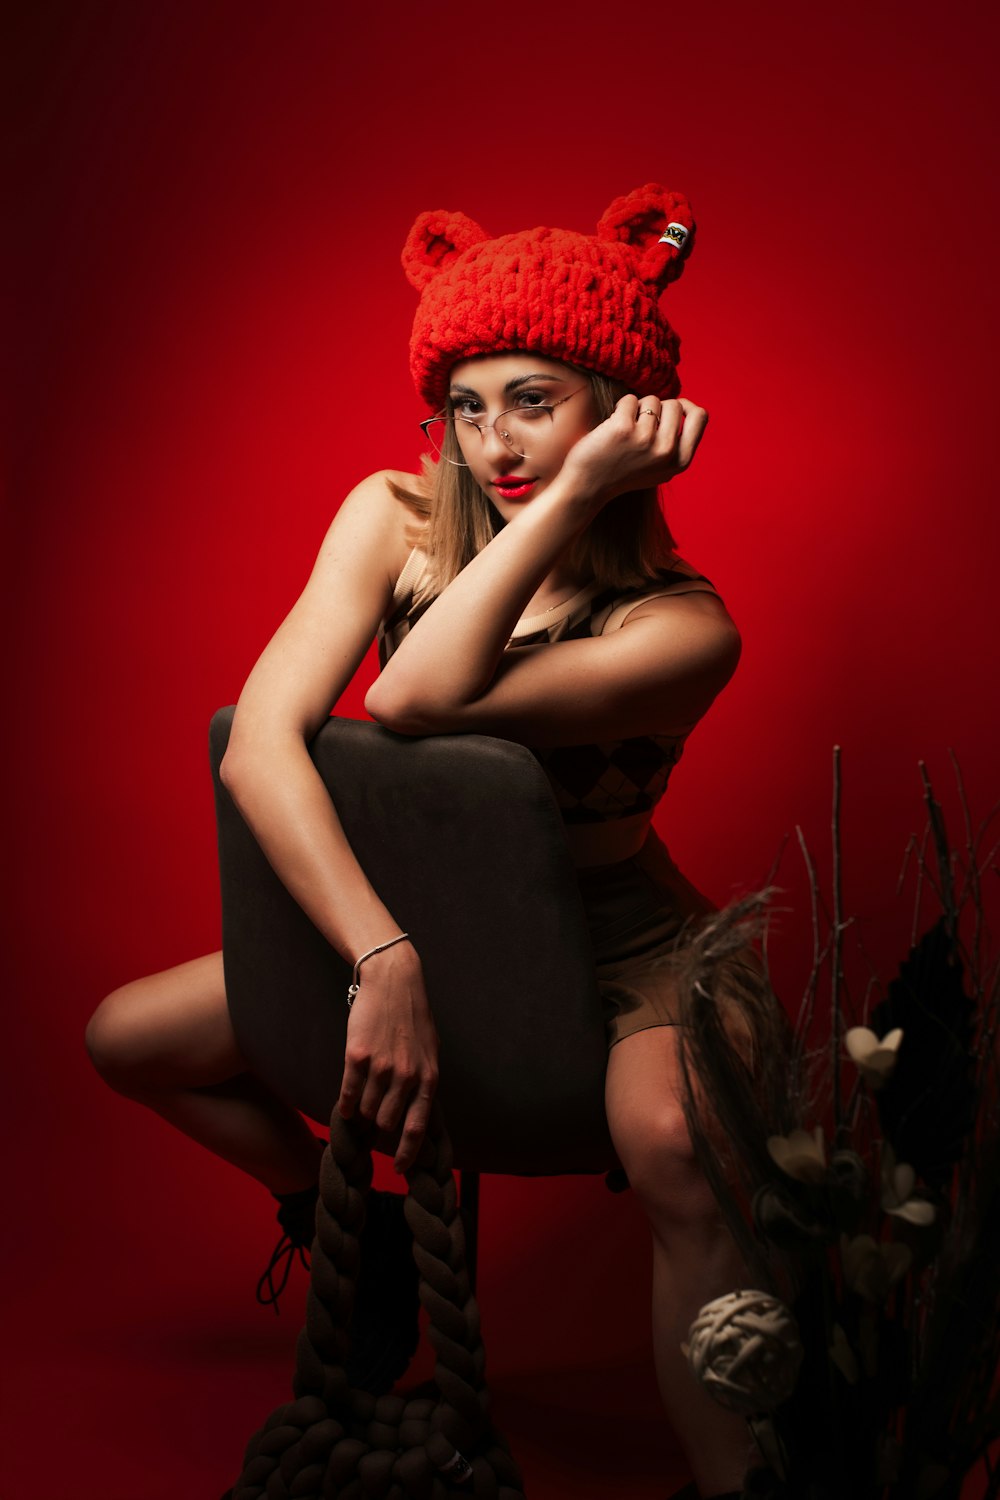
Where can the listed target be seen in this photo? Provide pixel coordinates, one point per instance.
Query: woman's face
(513, 471)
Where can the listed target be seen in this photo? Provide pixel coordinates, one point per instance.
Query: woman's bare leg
(167, 1042)
(694, 1257)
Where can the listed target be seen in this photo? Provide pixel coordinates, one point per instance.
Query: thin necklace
(558, 602)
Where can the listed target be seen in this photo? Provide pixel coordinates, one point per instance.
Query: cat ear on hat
(658, 224)
(435, 240)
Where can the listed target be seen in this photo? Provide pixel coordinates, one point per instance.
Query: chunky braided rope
(337, 1443)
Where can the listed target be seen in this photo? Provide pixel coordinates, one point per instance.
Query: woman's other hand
(645, 442)
(391, 1061)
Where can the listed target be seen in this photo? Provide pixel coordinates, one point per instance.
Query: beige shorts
(638, 911)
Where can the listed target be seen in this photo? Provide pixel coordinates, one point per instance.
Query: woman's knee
(115, 1039)
(646, 1117)
(170, 1030)
(655, 1148)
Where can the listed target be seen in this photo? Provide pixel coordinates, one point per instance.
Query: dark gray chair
(461, 837)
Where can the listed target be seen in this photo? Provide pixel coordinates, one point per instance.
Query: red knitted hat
(591, 300)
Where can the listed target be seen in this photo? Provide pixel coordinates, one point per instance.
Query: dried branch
(836, 961)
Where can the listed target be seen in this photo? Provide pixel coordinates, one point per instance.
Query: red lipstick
(514, 486)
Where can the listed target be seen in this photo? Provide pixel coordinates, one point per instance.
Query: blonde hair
(624, 546)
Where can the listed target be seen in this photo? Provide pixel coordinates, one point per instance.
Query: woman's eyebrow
(512, 385)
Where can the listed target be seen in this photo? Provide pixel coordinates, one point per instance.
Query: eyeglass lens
(516, 428)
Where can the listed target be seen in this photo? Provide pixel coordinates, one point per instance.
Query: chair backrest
(461, 837)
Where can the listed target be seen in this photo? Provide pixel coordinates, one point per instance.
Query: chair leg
(468, 1207)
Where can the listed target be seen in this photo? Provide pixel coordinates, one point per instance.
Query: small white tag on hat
(674, 234)
(458, 1469)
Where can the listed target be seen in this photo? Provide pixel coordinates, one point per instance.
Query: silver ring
(647, 411)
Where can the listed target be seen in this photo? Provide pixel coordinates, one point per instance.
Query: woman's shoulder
(690, 608)
(389, 501)
(677, 577)
(398, 492)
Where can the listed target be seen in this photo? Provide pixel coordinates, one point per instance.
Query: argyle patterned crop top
(592, 783)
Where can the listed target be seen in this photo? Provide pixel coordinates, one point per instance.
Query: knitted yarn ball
(745, 1349)
(590, 300)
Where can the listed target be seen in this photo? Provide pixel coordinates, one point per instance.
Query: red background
(210, 349)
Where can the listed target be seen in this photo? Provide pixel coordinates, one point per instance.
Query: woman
(524, 585)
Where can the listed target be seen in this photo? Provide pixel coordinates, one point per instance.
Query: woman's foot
(297, 1218)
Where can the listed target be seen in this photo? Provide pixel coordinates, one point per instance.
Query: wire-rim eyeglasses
(435, 429)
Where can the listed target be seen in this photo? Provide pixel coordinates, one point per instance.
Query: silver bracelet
(356, 981)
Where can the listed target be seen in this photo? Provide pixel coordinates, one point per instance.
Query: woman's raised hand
(644, 442)
(391, 1061)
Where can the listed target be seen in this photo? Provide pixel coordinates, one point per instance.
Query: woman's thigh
(168, 1030)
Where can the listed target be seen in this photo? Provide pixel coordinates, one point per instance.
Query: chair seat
(461, 837)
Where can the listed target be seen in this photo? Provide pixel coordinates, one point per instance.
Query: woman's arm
(659, 672)
(268, 771)
(298, 679)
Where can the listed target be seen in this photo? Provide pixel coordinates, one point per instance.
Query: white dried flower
(871, 1269)
(875, 1059)
(800, 1155)
(897, 1185)
(843, 1356)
